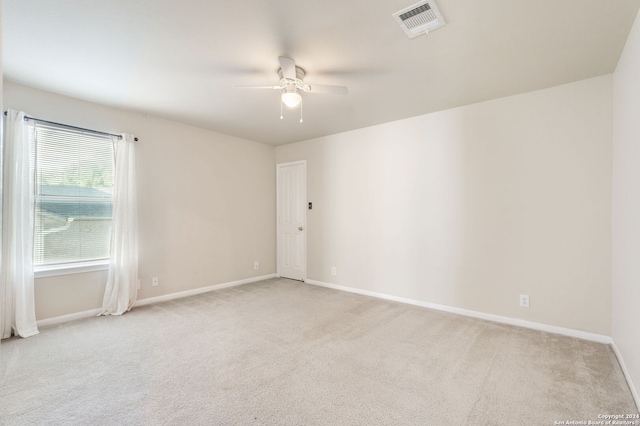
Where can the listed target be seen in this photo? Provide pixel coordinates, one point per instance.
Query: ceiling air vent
(419, 18)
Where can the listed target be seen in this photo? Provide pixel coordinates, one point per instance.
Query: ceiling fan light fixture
(291, 98)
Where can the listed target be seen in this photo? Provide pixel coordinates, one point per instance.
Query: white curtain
(18, 206)
(122, 280)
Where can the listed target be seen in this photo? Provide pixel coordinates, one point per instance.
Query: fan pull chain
(281, 117)
(301, 111)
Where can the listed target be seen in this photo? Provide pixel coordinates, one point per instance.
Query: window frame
(72, 267)
(53, 270)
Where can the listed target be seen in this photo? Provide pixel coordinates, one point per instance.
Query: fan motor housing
(284, 82)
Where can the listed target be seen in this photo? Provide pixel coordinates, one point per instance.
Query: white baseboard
(627, 376)
(475, 314)
(69, 317)
(95, 312)
(200, 290)
(480, 315)
(599, 338)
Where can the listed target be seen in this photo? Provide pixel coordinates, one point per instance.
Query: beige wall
(206, 203)
(626, 205)
(468, 207)
(471, 207)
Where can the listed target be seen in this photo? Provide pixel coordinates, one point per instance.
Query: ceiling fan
(292, 83)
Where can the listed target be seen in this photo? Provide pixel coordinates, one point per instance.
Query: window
(74, 173)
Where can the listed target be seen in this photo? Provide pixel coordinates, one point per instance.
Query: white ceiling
(179, 60)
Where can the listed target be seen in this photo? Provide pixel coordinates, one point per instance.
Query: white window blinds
(74, 195)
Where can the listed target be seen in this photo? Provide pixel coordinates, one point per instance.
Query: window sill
(70, 268)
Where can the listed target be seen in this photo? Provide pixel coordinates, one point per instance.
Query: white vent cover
(419, 18)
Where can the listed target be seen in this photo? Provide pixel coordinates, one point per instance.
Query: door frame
(304, 215)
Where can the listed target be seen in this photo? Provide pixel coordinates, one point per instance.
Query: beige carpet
(287, 353)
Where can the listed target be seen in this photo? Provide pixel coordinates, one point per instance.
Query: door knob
(300, 228)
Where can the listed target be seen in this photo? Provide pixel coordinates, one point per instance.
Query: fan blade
(258, 87)
(325, 88)
(288, 67)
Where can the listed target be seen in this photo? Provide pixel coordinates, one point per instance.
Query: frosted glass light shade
(291, 99)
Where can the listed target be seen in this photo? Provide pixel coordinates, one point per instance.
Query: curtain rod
(26, 117)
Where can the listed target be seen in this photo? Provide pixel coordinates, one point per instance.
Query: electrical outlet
(524, 300)
(333, 270)
(154, 281)
(256, 265)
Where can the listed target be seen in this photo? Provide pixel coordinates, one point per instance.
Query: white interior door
(292, 220)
